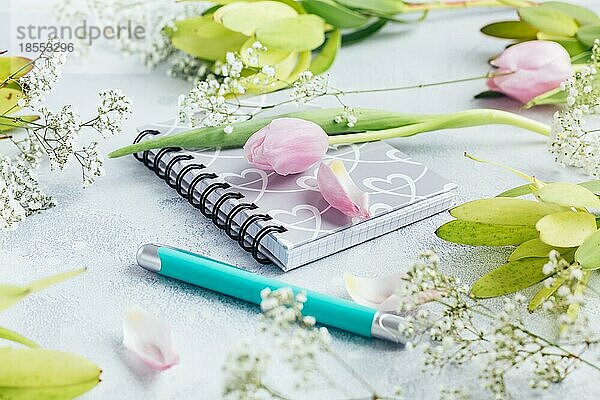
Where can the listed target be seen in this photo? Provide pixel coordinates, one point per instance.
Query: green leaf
(380, 6)
(8, 99)
(554, 96)
(504, 211)
(302, 63)
(18, 66)
(588, 254)
(489, 94)
(593, 186)
(9, 294)
(582, 15)
(302, 33)
(270, 57)
(44, 374)
(510, 278)
(571, 44)
(588, 34)
(549, 20)
(510, 30)
(361, 34)
(535, 248)
(9, 124)
(204, 38)
(323, 61)
(567, 195)
(245, 18)
(566, 229)
(13, 336)
(335, 14)
(545, 292)
(480, 234)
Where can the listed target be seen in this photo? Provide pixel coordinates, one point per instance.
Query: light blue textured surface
(101, 227)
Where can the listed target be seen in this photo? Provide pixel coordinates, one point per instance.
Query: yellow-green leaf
(380, 6)
(535, 248)
(13, 336)
(261, 58)
(35, 373)
(566, 229)
(302, 33)
(593, 186)
(549, 20)
(571, 44)
(567, 195)
(204, 38)
(335, 14)
(582, 15)
(481, 234)
(7, 124)
(588, 254)
(301, 65)
(8, 99)
(510, 30)
(588, 34)
(323, 61)
(574, 308)
(504, 211)
(18, 66)
(245, 18)
(9, 294)
(510, 278)
(546, 291)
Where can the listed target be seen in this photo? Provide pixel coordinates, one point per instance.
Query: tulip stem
(462, 119)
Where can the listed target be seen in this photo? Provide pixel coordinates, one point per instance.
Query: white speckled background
(101, 227)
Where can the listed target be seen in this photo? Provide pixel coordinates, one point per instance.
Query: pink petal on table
(150, 339)
(340, 192)
(382, 293)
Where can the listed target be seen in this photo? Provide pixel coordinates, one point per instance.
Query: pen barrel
(232, 281)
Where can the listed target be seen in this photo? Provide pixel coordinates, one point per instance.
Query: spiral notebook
(285, 220)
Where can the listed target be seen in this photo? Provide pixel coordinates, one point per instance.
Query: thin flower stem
(274, 392)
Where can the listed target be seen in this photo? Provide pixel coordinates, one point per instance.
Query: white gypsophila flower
(570, 142)
(187, 67)
(503, 345)
(347, 116)
(113, 109)
(308, 87)
(243, 374)
(91, 163)
(294, 333)
(58, 134)
(47, 68)
(20, 195)
(147, 21)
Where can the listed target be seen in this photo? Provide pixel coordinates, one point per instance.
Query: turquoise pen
(227, 279)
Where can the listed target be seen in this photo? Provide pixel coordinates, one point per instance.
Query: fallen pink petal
(381, 293)
(338, 189)
(150, 339)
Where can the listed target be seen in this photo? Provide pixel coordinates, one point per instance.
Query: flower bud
(287, 146)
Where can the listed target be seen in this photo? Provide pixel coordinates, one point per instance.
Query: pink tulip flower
(340, 192)
(287, 146)
(532, 68)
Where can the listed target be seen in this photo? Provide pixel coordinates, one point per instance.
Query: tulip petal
(381, 293)
(150, 339)
(340, 192)
(287, 146)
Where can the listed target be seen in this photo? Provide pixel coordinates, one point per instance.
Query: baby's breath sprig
(504, 344)
(54, 134)
(570, 142)
(299, 344)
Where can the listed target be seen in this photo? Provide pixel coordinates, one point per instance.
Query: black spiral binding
(227, 223)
